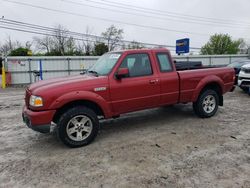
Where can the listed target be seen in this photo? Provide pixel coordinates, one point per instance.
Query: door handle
(153, 81)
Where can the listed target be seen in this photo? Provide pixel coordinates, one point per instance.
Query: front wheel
(207, 104)
(245, 89)
(78, 127)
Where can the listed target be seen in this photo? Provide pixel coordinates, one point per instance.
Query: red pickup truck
(118, 83)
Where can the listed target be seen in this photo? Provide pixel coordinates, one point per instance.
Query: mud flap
(221, 100)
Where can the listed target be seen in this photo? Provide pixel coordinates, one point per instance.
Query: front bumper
(244, 83)
(38, 120)
(244, 79)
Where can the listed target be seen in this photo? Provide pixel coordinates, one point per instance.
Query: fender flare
(82, 95)
(204, 82)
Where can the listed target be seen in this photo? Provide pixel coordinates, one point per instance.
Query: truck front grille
(246, 70)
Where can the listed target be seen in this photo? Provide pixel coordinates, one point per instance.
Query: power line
(39, 33)
(26, 27)
(169, 17)
(105, 19)
(108, 2)
(38, 29)
(46, 34)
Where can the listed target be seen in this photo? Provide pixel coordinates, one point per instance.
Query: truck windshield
(105, 64)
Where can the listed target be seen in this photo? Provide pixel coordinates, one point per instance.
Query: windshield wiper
(93, 72)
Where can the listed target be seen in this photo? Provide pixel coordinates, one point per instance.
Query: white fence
(22, 68)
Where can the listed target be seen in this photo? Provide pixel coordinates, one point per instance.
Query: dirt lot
(164, 147)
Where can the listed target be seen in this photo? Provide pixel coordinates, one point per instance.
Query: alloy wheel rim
(209, 104)
(79, 128)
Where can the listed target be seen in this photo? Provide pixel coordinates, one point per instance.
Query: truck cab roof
(142, 50)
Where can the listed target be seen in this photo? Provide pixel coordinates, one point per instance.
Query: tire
(78, 127)
(207, 104)
(245, 89)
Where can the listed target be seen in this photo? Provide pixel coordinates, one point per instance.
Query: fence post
(30, 74)
(3, 73)
(41, 69)
(230, 59)
(210, 60)
(68, 59)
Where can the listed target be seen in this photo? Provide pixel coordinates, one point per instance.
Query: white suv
(244, 78)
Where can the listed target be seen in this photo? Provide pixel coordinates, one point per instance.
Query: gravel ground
(163, 147)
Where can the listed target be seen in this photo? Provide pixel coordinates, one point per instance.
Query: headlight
(36, 101)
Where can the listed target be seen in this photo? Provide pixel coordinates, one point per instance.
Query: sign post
(182, 46)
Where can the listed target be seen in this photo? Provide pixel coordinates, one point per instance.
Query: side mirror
(122, 73)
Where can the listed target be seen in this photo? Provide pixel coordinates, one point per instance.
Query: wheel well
(217, 88)
(89, 104)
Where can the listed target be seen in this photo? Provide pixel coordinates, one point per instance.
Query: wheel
(245, 89)
(206, 104)
(78, 127)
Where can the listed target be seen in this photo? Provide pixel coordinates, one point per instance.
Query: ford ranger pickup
(121, 82)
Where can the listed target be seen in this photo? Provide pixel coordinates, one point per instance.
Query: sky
(149, 21)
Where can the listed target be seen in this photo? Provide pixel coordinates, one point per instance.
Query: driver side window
(138, 65)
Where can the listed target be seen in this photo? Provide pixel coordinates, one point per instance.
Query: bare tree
(9, 45)
(61, 39)
(44, 44)
(86, 45)
(135, 45)
(113, 36)
(69, 45)
(60, 43)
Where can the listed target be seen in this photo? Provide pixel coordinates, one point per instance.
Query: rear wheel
(78, 127)
(207, 104)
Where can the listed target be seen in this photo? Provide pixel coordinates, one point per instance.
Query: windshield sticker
(114, 56)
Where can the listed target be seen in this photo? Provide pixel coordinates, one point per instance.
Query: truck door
(140, 89)
(169, 79)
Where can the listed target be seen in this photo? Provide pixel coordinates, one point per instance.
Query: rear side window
(138, 65)
(164, 63)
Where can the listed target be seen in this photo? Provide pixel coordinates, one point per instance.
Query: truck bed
(189, 83)
(190, 65)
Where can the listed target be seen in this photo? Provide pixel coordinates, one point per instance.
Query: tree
(69, 46)
(113, 36)
(135, 45)
(86, 46)
(44, 43)
(19, 52)
(63, 43)
(221, 44)
(100, 49)
(8, 46)
(59, 44)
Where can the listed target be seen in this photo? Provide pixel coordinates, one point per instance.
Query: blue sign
(182, 46)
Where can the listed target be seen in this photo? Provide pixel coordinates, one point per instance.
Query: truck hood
(66, 84)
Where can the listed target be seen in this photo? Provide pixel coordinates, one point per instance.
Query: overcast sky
(157, 21)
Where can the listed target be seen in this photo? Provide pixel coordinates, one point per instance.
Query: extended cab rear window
(163, 62)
